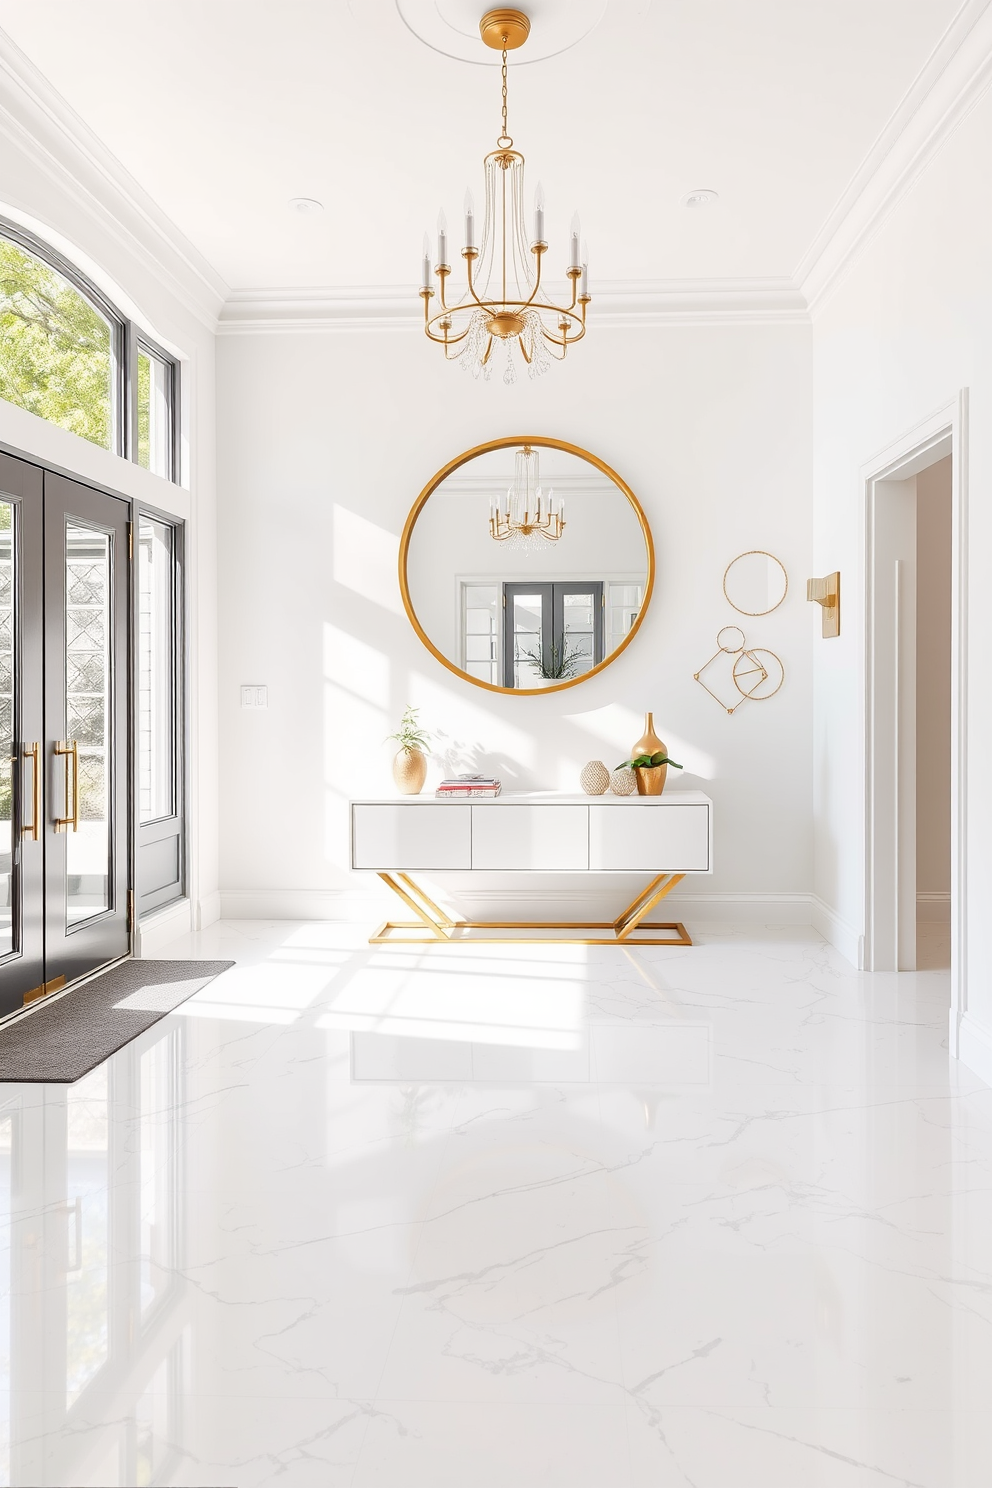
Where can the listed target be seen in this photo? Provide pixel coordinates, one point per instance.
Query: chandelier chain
(506, 134)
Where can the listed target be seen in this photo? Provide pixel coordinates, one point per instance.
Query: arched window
(69, 356)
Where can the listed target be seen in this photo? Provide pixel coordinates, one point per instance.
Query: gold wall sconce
(826, 592)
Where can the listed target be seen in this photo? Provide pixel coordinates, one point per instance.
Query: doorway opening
(915, 727)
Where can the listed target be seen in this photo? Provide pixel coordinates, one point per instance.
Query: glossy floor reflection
(716, 1216)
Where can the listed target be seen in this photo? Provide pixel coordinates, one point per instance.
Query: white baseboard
(842, 936)
(207, 912)
(974, 1046)
(357, 905)
(157, 929)
(934, 906)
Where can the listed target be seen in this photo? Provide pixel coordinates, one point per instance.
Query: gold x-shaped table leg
(433, 926)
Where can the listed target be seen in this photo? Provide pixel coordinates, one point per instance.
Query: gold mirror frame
(514, 442)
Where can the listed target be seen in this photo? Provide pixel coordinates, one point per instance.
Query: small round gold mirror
(526, 565)
(755, 583)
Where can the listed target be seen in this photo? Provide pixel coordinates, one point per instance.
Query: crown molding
(398, 307)
(36, 120)
(956, 75)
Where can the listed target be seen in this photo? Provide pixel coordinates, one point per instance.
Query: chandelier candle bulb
(539, 215)
(584, 282)
(442, 238)
(575, 256)
(469, 220)
(425, 268)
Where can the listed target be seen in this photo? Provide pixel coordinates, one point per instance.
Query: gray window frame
(127, 338)
(147, 834)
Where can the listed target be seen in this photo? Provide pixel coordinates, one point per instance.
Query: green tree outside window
(55, 348)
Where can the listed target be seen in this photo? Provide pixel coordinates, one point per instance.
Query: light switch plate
(254, 696)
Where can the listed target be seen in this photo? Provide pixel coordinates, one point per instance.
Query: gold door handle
(31, 829)
(69, 822)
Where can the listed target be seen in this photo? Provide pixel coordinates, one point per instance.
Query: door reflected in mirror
(526, 565)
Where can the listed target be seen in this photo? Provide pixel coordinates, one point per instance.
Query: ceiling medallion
(503, 302)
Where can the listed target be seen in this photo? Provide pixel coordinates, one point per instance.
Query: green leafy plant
(557, 665)
(410, 735)
(646, 761)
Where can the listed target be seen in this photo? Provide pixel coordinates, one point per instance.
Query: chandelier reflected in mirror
(504, 302)
(526, 511)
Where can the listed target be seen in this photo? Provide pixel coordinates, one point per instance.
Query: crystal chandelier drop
(504, 301)
(526, 512)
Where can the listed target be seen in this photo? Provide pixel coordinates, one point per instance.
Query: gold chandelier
(526, 511)
(503, 301)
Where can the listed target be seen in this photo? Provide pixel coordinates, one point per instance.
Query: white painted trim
(934, 908)
(206, 911)
(157, 929)
(843, 936)
(955, 76)
(360, 905)
(398, 307)
(942, 432)
(974, 1044)
(35, 118)
(26, 436)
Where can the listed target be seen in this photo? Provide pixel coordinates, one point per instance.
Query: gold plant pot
(410, 771)
(650, 779)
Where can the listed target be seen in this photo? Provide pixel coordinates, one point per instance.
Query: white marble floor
(716, 1217)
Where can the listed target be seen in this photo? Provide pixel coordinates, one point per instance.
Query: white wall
(58, 181)
(909, 326)
(325, 439)
(933, 688)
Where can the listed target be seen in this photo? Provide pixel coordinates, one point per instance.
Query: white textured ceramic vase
(594, 778)
(622, 782)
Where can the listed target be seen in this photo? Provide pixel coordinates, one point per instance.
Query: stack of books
(468, 787)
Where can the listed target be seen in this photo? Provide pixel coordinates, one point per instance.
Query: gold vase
(410, 771)
(650, 778)
(648, 743)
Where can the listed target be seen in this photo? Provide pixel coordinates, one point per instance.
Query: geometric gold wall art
(736, 672)
(755, 583)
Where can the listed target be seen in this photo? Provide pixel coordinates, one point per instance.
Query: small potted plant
(410, 764)
(650, 771)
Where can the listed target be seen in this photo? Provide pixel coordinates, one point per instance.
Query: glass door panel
(21, 750)
(87, 697)
(578, 632)
(8, 749)
(86, 613)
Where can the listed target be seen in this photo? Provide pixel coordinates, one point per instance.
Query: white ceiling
(224, 109)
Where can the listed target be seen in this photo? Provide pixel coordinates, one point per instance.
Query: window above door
(68, 355)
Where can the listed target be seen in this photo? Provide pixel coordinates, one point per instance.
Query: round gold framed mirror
(526, 565)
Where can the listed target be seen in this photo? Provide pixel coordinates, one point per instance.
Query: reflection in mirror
(755, 583)
(527, 567)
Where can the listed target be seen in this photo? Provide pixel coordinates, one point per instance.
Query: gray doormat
(67, 1036)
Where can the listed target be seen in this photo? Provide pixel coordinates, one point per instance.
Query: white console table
(667, 836)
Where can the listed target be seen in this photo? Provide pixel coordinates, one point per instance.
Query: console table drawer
(412, 836)
(673, 839)
(530, 838)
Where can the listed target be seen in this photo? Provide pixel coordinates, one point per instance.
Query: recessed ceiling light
(702, 197)
(306, 205)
